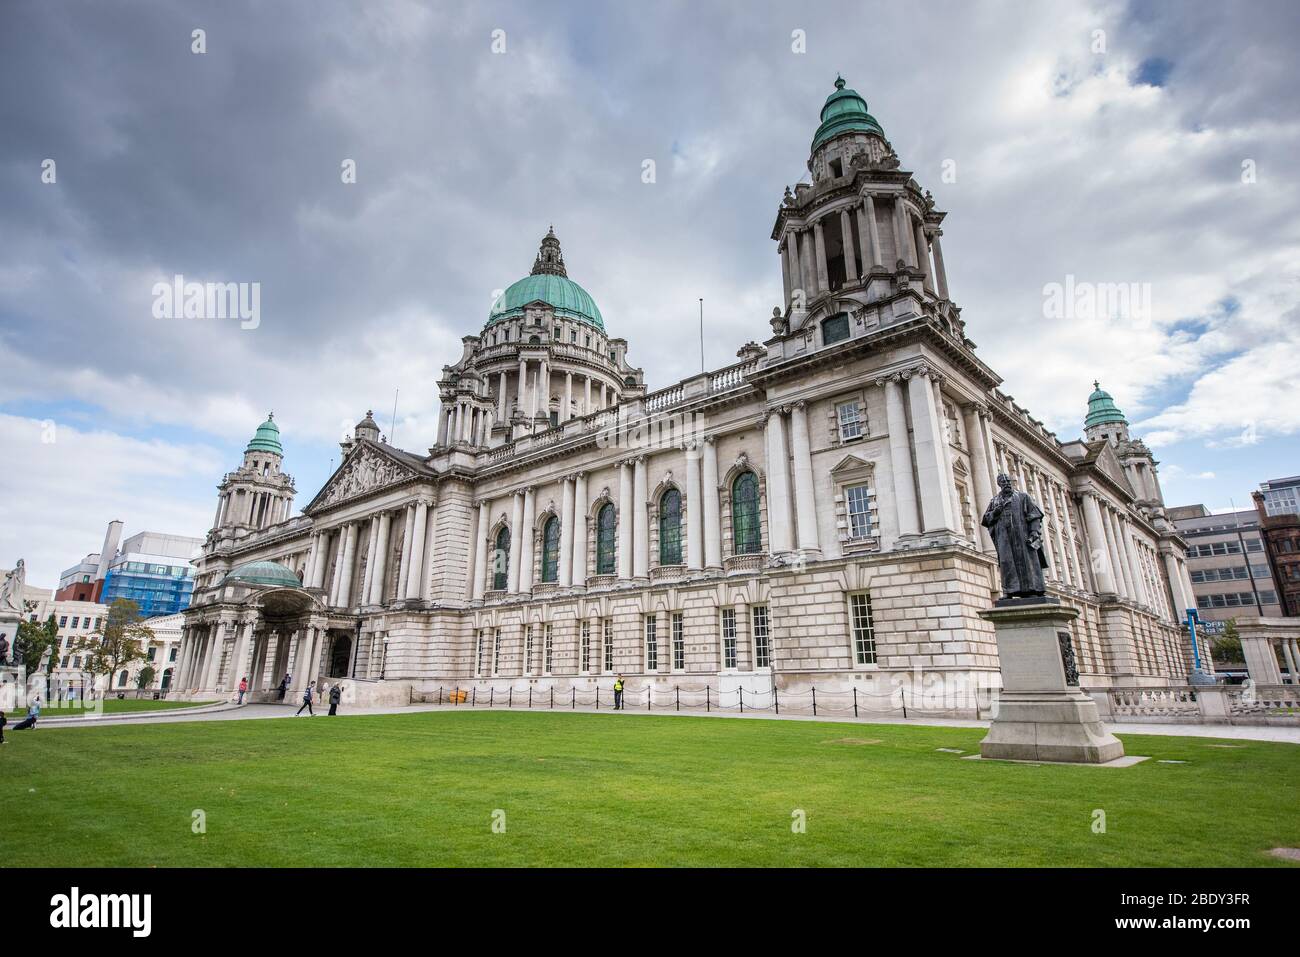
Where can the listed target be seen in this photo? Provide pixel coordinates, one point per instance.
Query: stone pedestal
(1042, 714)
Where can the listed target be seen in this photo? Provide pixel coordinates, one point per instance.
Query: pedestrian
(243, 688)
(618, 693)
(33, 712)
(284, 686)
(4, 721)
(336, 695)
(306, 701)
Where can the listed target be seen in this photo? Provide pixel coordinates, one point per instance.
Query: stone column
(900, 457)
(444, 416)
(415, 571)
(1176, 585)
(523, 385)
(481, 548)
(586, 401)
(787, 283)
(981, 469)
(807, 260)
(566, 530)
(712, 518)
(526, 541)
(404, 565)
(873, 231)
(796, 267)
(580, 529)
(349, 565)
(372, 545)
(1261, 659)
(850, 256)
(1102, 572)
(922, 255)
(426, 567)
(804, 499)
(640, 531)
(819, 244)
(694, 509)
(377, 580)
(778, 484)
(945, 454)
(1119, 560)
(1290, 660)
(239, 653)
(940, 274)
(218, 645)
(930, 448)
(516, 541)
(603, 400)
(1128, 555)
(544, 389)
(322, 560)
(567, 412)
(625, 523)
(336, 564)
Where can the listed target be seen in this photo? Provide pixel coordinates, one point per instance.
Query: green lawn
(585, 789)
(111, 706)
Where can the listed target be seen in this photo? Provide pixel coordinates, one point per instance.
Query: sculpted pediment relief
(366, 470)
(1108, 464)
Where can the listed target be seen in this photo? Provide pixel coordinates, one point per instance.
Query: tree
(32, 642)
(1227, 646)
(120, 640)
(145, 678)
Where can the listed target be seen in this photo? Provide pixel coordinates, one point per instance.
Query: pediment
(1107, 462)
(367, 469)
(851, 463)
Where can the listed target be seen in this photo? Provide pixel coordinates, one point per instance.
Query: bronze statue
(1015, 522)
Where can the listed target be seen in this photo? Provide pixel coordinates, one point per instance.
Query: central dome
(549, 282)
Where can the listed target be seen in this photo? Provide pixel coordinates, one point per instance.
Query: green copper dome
(266, 438)
(1102, 409)
(266, 574)
(549, 282)
(845, 111)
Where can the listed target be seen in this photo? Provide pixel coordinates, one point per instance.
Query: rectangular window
(75, 621)
(651, 643)
(63, 621)
(528, 649)
(728, 638)
(850, 416)
(172, 655)
(478, 655)
(762, 637)
(547, 650)
(679, 643)
(607, 638)
(586, 646)
(152, 652)
(857, 499)
(864, 637)
(496, 650)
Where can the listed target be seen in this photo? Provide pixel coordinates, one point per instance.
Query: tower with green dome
(1104, 419)
(258, 494)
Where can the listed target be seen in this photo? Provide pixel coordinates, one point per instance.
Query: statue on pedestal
(1015, 523)
(11, 589)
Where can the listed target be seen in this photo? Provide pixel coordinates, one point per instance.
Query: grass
(585, 789)
(111, 706)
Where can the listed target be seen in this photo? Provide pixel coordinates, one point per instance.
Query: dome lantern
(549, 283)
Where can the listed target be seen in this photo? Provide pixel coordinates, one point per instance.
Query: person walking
(33, 712)
(336, 695)
(243, 688)
(618, 693)
(284, 686)
(306, 701)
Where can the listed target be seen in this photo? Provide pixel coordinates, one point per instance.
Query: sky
(1091, 143)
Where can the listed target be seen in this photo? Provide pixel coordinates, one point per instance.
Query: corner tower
(861, 233)
(257, 494)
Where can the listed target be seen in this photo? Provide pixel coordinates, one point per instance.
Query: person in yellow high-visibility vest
(618, 693)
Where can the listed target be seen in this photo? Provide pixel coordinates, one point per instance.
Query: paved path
(230, 712)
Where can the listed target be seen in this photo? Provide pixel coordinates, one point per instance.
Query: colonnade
(216, 655)
(332, 562)
(254, 507)
(469, 419)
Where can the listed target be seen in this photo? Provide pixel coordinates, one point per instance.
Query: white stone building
(809, 515)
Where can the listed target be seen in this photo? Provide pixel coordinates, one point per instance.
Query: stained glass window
(605, 527)
(670, 528)
(501, 560)
(551, 550)
(746, 534)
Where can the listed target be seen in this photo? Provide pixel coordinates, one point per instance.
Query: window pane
(501, 560)
(551, 550)
(605, 528)
(858, 501)
(850, 415)
(762, 642)
(745, 531)
(864, 637)
(670, 528)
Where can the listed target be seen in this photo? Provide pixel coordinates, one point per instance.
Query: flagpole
(701, 333)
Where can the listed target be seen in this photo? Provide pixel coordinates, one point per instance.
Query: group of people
(335, 694)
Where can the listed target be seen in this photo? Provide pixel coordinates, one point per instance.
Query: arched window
(670, 528)
(551, 550)
(835, 329)
(605, 523)
(121, 680)
(501, 560)
(746, 536)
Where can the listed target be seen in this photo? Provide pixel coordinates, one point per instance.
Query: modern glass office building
(154, 571)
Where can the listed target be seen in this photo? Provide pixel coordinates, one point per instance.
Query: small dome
(1102, 409)
(267, 437)
(549, 282)
(845, 111)
(369, 421)
(264, 574)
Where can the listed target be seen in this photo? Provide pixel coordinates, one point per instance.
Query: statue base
(1042, 714)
